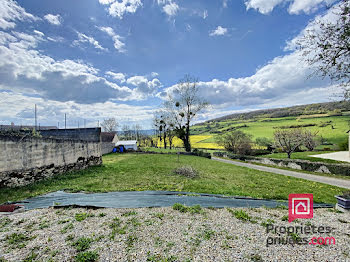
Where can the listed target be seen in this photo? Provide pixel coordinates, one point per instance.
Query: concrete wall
(86, 134)
(28, 159)
(107, 148)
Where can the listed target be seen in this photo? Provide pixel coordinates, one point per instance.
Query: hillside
(330, 120)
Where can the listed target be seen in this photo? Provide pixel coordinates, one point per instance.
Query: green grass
(265, 127)
(136, 172)
(305, 156)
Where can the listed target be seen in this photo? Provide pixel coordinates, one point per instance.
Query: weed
(66, 228)
(240, 214)
(160, 258)
(43, 224)
(342, 221)
(130, 213)
(295, 237)
(63, 221)
(70, 237)
(5, 221)
(116, 227)
(82, 244)
(284, 218)
(255, 258)
(208, 234)
(267, 222)
(102, 215)
(82, 216)
(17, 240)
(159, 215)
(196, 209)
(130, 240)
(89, 256)
(31, 257)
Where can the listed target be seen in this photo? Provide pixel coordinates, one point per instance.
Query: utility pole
(58, 125)
(84, 123)
(98, 123)
(35, 113)
(65, 121)
(78, 123)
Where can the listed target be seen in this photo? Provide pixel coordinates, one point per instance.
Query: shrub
(344, 145)
(186, 171)
(237, 142)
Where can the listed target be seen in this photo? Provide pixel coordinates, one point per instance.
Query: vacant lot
(165, 234)
(131, 172)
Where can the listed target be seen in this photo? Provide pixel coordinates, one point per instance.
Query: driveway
(321, 179)
(339, 156)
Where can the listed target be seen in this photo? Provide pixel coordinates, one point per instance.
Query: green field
(331, 128)
(136, 172)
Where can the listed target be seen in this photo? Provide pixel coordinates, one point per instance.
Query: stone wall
(107, 148)
(24, 160)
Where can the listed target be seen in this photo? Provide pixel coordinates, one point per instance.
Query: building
(128, 144)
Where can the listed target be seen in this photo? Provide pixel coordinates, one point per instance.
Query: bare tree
(289, 140)
(109, 125)
(127, 132)
(326, 45)
(184, 105)
(310, 140)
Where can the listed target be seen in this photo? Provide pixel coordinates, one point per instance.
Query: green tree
(237, 142)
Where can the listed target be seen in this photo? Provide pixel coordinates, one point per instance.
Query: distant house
(109, 137)
(128, 144)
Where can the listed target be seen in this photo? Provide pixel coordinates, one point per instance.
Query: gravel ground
(165, 234)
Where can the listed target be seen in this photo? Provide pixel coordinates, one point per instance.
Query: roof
(126, 143)
(107, 136)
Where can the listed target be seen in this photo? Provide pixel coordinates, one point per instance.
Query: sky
(96, 59)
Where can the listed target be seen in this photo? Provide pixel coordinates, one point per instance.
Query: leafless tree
(289, 140)
(109, 125)
(128, 133)
(310, 141)
(326, 45)
(184, 105)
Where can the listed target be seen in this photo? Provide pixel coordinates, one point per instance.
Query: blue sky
(95, 59)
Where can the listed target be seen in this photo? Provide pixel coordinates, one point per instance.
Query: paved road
(321, 179)
(339, 156)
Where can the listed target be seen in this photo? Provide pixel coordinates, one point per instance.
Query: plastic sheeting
(137, 199)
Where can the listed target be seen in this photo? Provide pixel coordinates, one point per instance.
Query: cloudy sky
(95, 59)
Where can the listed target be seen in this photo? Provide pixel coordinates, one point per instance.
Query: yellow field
(195, 142)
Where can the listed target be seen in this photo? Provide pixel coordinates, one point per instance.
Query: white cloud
(39, 33)
(144, 87)
(205, 14)
(53, 19)
(116, 76)
(224, 3)
(295, 6)
(10, 12)
(82, 38)
(171, 9)
(119, 9)
(24, 69)
(118, 44)
(218, 31)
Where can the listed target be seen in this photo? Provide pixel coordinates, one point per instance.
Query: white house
(128, 144)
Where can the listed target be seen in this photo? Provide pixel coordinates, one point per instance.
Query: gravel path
(165, 234)
(321, 179)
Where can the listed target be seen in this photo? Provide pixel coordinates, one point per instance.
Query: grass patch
(196, 209)
(88, 256)
(240, 214)
(82, 216)
(82, 244)
(136, 172)
(17, 240)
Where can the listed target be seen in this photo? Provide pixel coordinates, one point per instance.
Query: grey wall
(107, 148)
(28, 159)
(86, 134)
